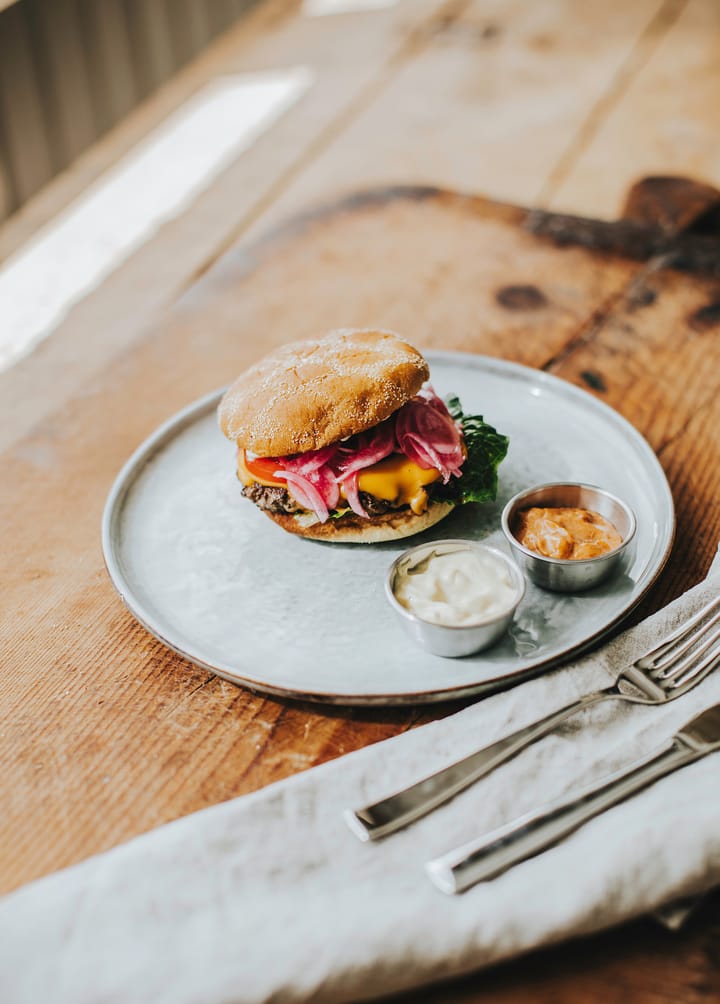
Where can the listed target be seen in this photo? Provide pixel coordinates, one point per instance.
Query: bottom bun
(352, 529)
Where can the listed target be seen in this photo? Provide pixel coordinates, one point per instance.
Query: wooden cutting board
(106, 733)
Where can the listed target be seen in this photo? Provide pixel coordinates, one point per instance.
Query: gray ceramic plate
(218, 582)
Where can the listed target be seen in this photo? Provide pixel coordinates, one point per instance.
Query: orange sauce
(566, 533)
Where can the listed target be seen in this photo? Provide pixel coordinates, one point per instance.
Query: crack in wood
(700, 410)
(655, 30)
(683, 240)
(260, 747)
(586, 334)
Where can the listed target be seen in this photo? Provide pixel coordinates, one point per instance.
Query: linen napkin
(271, 898)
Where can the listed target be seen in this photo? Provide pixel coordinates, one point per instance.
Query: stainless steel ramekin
(447, 640)
(568, 575)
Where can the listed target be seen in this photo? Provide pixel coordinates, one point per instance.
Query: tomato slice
(263, 468)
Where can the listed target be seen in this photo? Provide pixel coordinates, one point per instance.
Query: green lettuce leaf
(486, 448)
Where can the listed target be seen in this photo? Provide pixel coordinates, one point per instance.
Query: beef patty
(274, 499)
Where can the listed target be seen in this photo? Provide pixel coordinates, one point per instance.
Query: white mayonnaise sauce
(456, 588)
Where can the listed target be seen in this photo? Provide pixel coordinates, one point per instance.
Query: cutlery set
(673, 667)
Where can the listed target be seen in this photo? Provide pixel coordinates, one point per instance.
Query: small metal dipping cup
(568, 575)
(448, 640)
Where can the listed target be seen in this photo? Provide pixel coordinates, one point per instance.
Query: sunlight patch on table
(321, 8)
(153, 183)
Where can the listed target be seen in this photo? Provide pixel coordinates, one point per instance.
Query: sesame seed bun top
(309, 394)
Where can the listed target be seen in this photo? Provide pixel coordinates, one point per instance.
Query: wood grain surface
(106, 733)
(341, 217)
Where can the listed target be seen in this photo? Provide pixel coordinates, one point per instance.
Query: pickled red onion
(305, 492)
(427, 434)
(352, 494)
(370, 451)
(324, 480)
(306, 463)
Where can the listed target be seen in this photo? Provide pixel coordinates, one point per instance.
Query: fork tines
(677, 660)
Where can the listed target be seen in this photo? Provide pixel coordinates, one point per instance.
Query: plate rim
(180, 420)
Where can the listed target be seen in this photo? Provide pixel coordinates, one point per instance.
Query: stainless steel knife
(527, 836)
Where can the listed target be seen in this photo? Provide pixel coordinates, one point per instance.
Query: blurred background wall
(71, 69)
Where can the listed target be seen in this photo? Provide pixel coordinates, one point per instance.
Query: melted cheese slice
(398, 480)
(395, 479)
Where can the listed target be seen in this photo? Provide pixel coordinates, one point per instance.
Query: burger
(342, 438)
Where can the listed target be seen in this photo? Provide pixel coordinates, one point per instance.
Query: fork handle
(523, 838)
(405, 806)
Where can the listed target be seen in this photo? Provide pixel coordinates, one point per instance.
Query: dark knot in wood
(706, 317)
(521, 297)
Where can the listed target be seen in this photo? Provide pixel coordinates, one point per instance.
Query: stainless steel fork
(670, 669)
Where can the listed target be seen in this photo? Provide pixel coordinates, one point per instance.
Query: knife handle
(493, 854)
(403, 807)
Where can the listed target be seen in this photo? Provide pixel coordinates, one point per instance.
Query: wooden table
(105, 733)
